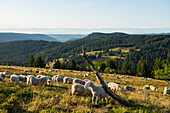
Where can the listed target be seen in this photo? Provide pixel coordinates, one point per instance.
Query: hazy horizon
(84, 30)
(79, 16)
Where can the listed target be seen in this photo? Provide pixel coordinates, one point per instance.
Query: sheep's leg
(106, 98)
(96, 99)
(93, 99)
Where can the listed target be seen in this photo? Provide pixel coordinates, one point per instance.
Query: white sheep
(76, 80)
(68, 80)
(32, 80)
(14, 78)
(2, 79)
(166, 91)
(28, 70)
(3, 74)
(153, 88)
(79, 88)
(97, 91)
(114, 86)
(146, 87)
(129, 88)
(57, 78)
(150, 87)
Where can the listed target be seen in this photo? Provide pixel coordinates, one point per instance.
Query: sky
(83, 16)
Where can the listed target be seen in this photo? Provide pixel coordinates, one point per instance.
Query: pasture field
(20, 98)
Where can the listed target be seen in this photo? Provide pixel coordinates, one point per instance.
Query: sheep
(2, 74)
(79, 88)
(150, 87)
(117, 77)
(79, 81)
(16, 73)
(22, 78)
(28, 70)
(146, 87)
(86, 75)
(57, 78)
(129, 88)
(32, 80)
(40, 72)
(2, 79)
(14, 78)
(166, 91)
(153, 88)
(68, 80)
(45, 70)
(97, 91)
(115, 86)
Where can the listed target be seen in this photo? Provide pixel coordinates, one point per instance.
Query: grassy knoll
(19, 98)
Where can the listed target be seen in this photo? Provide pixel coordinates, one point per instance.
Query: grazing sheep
(2, 74)
(32, 80)
(79, 88)
(40, 72)
(153, 88)
(68, 80)
(79, 81)
(114, 86)
(28, 70)
(16, 73)
(166, 91)
(45, 70)
(22, 78)
(114, 75)
(97, 91)
(2, 79)
(146, 87)
(57, 78)
(86, 75)
(117, 77)
(129, 88)
(150, 87)
(14, 78)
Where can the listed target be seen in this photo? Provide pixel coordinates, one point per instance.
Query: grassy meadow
(19, 98)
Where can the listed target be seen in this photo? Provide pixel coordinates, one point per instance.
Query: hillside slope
(150, 47)
(6, 37)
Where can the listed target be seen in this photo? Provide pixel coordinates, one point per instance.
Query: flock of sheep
(78, 85)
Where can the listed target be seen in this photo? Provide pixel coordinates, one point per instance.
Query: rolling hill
(151, 46)
(6, 37)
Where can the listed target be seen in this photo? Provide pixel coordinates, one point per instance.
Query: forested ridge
(151, 47)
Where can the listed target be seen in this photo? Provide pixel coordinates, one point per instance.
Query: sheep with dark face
(97, 91)
(57, 78)
(79, 88)
(3, 74)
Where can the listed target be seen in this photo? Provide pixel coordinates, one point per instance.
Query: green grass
(20, 98)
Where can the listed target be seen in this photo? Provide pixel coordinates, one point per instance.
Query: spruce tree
(142, 68)
(39, 62)
(57, 65)
(31, 61)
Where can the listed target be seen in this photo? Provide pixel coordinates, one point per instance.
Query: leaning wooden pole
(113, 95)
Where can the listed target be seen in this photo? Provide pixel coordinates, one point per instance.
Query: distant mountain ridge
(99, 34)
(67, 37)
(6, 37)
